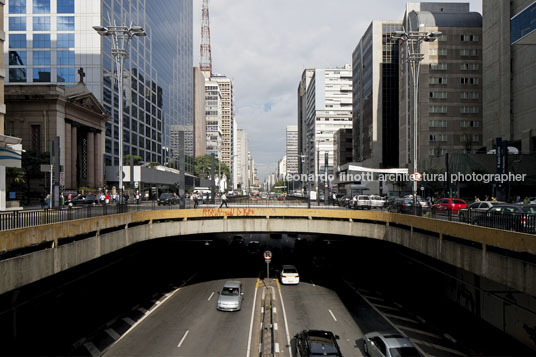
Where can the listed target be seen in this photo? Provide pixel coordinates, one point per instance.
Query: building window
(470, 110)
(469, 80)
(41, 23)
(438, 66)
(65, 6)
(438, 137)
(41, 6)
(471, 38)
(469, 66)
(437, 124)
(36, 138)
(41, 75)
(17, 41)
(65, 58)
(469, 138)
(65, 23)
(437, 152)
(469, 95)
(17, 58)
(65, 75)
(438, 95)
(438, 109)
(17, 75)
(66, 40)
(17, 6)
(470, 124)
(41, 41)
(469, 52)
(41, 58)
(438, 80)
(17, 23)
(443, 38)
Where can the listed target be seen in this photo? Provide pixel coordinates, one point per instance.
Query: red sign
(267, 255)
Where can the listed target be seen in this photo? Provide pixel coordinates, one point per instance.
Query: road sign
(267, 255)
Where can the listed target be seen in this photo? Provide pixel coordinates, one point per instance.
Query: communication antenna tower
(205, 62)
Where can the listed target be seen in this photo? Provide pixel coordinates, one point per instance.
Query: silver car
(388, 344)
(230, 297)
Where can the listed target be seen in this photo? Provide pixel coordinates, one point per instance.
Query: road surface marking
(433, 345)
(252, 318)
(276, 347)
(421, 332)
(275, 326)
(274, 310)
(380, 306)
(112, 334)
(331, 312)
(273, 293)
(402, 318)
(183, 338)
(92, 349)
(263, 293)
(286, 323)
(211, 295)
(142, 310)
(128, 320)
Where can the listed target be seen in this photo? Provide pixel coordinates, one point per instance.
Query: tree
(202, 165)
(135, 158)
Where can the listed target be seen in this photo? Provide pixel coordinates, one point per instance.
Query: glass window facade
(523, 23)
(41, 41)
(41, 58)
(17, 23)
(41, 23)
(41, 6)
(65, 58)
(66, 75)
(65, 23)
(41, 75)
(17, 75)
(17, 58)
(17, 6)
(65, 40)
(65, 6)
(17, 41)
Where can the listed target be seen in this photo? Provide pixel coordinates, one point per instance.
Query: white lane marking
(421, 332)
(273, 294)
(423, 321)
(331, 312)
(262, 309)
(433, 345)
(275, 326)
(251, 323)
(128, 320)
(211, 295)
(183, 338)
(142, 310)
(286, 323)
(274, 309)
(402, 318)
(276, 347)
(113, 334)
(92, 349)
(380, 306)
(263, 293)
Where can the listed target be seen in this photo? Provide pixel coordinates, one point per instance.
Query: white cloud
(264, 46)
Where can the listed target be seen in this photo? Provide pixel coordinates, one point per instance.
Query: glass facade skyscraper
(48, 40)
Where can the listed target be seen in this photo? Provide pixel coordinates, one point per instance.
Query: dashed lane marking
(92, 349)
(142, 310)
(331, 313)
(183, 338)
(211, 295)
(421, 332)
(113, 334)
(437, 347)
(402, 318)
(128, 320)
(252, 318)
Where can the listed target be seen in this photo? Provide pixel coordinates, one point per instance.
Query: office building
(302, 118)
(47, 41)
(450, 83)
(241, 160)
(375, 90)
(509, 73)
(342, 147)
(328, 108)
(281, 172)
(225, 87)
(200, 123)
(292, 149)
(213, 109)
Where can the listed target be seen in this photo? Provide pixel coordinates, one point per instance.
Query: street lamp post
(413, 40)
(121, 35)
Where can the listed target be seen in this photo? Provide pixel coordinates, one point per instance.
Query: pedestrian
(137, 197)
(486, 198)
(354, 201)
(47, 201)
(224, 200)
(196, 199)
(107, 198)
(526, 201)
(477, 199)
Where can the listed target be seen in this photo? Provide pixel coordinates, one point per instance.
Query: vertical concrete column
(99, 179)
(74, 154)
(91, 159)
(68, 164)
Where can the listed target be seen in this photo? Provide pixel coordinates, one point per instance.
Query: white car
(376, 201)
(388, 344)
(363, 202)
(289, 275)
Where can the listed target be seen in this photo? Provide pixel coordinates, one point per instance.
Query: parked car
(401, 205)
(423, 203)
(316, 343)
(231, 296)
(454, 205)
(474, 209)
(508, 217)
(85, 200)
(388, 344)
(289, 275)
(363, 202)
(167, 198)
(376, 201)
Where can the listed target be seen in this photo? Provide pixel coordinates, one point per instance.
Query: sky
(264, 46)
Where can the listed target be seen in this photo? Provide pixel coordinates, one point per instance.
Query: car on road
(401, 205)
(508, 217)
(167, 198)
(377, 201)
(316, 343)
(474, 209)
(289, 275)
(388, 344)
(85, 200)
(363, 202)
(446, 205)
(231, 296)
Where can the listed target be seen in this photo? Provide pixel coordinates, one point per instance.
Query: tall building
(450, 83)
(328, 108)
(509, 74)
(48, 40)
(213, 109)
(281, 172)
(375, 96)
(342, 147)
(292, 150)
(225, 87)
(174, 145)
(200, 123)
(302, 119)
(241, 160)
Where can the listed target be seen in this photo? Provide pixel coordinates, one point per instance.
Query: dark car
(401, 205)
(168, 199)
(316, 343)
(508, 217)
(474, 209)
(85, 200)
